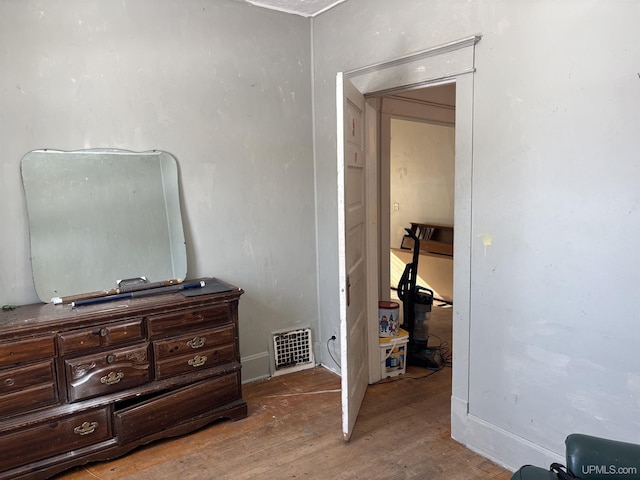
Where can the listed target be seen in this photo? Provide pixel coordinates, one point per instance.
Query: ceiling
(305, 8)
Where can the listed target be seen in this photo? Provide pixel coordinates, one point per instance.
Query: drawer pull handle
(198, 361)
(197, 342)
(86, 428)
(199, 318)
(112, 378)
(9, 382)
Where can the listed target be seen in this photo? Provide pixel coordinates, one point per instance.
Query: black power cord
(402, 378)
(443, 348)
(332, 339)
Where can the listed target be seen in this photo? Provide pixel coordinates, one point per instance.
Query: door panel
(352, 250)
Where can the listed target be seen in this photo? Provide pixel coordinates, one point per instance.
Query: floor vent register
(293, 351)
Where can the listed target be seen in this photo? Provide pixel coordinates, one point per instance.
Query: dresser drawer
(26, 388)
(107, 372)
(178, 322)
(176, 407)
(194, 341)
(192, 362)
(101, 336)
(54, 437)
(28, 350)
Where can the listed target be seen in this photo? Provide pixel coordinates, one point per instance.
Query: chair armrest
(594, 458)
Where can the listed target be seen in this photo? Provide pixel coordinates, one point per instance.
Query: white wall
(223, 86)
(227, 89)
(422, 173)
(553, 317)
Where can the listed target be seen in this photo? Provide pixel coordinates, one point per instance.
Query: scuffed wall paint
(553, 315)
(422, 174)
(487, 241)
(223, 86)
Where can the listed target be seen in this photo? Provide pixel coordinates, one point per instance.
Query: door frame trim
(453, 61)
(417, 69)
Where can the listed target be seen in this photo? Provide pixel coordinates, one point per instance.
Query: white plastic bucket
(393, 355)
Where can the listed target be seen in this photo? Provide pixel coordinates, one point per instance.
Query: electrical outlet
(334, 333)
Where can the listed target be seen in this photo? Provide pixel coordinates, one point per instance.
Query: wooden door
(352, 249)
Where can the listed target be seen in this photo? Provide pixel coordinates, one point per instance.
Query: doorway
(415, 175)
(439, 65)
(417, 172)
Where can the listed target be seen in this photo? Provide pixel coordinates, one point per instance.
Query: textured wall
(553, 316)
(226, 88)
(223, 86)
(422, 173)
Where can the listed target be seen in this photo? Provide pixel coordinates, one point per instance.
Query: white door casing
(352, 249)
(454, 60)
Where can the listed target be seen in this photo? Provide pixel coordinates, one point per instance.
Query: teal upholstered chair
(592, 458)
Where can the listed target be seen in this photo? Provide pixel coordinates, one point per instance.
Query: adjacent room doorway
(444, 64)
(417, 171)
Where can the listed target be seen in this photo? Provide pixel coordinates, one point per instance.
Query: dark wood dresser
(91, 383)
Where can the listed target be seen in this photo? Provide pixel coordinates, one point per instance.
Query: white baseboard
(256, 367)
(459, 412)
(495, 443)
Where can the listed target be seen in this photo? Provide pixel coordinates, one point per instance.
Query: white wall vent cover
(293, 351)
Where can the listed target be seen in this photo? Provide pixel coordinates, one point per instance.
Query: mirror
(100, 216)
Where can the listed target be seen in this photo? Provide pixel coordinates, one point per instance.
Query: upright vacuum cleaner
(417, 303)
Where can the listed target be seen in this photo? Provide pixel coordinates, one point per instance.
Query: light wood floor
(294, 431)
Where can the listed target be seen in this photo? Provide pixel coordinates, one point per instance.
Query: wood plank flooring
(294, 431)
